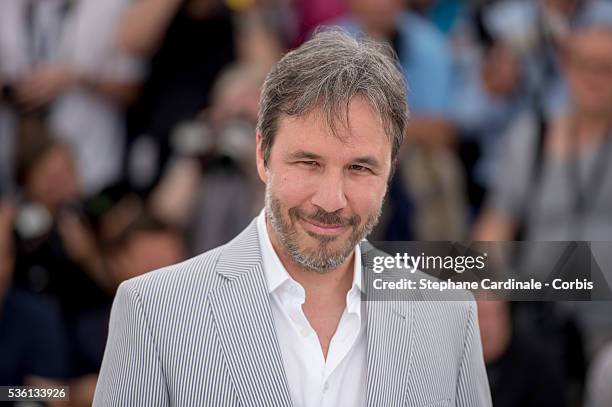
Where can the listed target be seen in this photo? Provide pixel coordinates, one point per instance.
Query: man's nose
(330, 194)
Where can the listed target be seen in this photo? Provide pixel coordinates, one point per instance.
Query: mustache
(325, 218)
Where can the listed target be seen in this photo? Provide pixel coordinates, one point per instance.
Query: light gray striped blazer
(201, 333)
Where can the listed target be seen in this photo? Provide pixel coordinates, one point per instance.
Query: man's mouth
(322, 228)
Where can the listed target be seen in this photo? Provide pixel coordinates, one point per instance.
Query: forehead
(357, 131)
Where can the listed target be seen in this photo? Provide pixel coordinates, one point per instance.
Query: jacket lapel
(243, 317)
(390, 341)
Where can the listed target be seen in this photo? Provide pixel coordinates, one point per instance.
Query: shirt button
(305, 332)
(326, 386)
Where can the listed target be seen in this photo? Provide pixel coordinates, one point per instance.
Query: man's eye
(359, 168)
(308, 163)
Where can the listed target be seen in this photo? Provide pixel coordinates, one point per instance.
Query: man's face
(589, 71)
(53, 179)
(324, 193)
(145, 251)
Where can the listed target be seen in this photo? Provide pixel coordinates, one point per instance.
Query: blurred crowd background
(127, 137)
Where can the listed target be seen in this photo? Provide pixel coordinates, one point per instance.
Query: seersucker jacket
(201, 333)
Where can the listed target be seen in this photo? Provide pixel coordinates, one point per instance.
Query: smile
(322, 229)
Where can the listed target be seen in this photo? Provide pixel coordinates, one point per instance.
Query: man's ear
(261, 166)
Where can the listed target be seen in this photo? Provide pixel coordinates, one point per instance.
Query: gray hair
(325, 73)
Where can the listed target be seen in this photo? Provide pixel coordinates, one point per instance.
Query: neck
(336, 281)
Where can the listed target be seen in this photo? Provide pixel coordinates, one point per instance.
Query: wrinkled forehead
(358, 118)
(345, 119)
(355, 128)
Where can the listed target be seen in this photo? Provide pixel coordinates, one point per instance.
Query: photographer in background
(56, 251)
(556, 182)
(188, 43)
(27, 357)
(210, 189)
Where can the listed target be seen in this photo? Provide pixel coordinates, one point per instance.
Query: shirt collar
(275, 272)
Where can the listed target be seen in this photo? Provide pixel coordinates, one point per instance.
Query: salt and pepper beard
(321, 259)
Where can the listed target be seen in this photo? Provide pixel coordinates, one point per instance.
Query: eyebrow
(301, 155)
(367, 160)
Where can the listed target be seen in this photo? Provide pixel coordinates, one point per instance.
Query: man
(553, 200)
(536, 31)
(274, 317)
(556, 181)
(28, 358)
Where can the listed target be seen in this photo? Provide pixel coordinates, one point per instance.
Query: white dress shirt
(339, 380)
